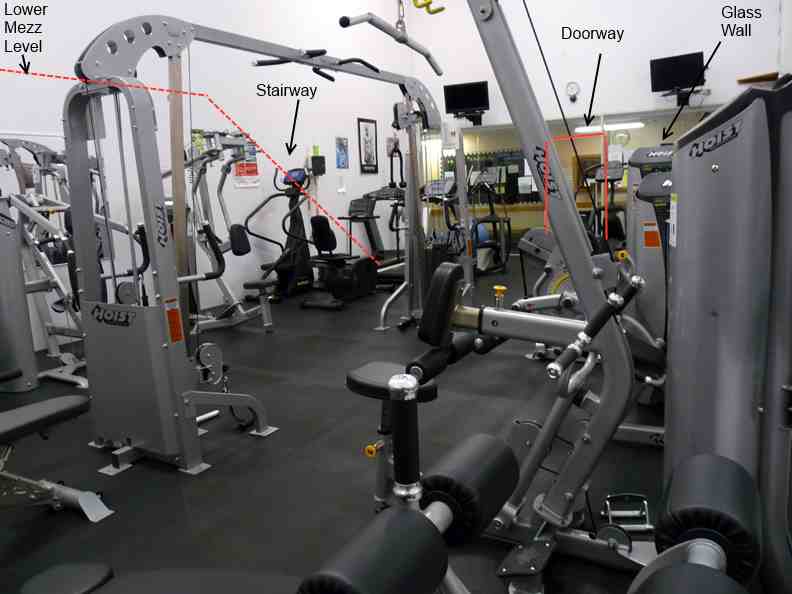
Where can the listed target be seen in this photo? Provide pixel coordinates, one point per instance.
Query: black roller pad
(435, 326)
(474, 479)
(69, 579)
(371, 381)
(715, 498)
(399, 552)
(688, 578)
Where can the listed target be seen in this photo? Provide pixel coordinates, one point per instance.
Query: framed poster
(342, 152)
(367, 144)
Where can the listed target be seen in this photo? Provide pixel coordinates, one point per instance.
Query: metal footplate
(16, 491)
(629, 511)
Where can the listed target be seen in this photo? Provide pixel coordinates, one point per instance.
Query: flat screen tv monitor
(467, 98)
(677, 72)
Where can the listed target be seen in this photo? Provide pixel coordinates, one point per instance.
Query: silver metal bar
(546, 329)
(398, 35)
(221, 185)
(440, 515)
(172, 36)
(103, 187)
(539, 150)
(415, 255)
(466, 259)
(125, 187)
(383, 319)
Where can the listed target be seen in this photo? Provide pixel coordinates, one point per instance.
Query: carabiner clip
(427, 4)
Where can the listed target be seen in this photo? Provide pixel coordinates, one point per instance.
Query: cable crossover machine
(152, 413)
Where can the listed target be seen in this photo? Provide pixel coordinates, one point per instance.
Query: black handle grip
(71, 265)
(430, 364)
(214, 245)
(318, 71)
(140, 237)
(315, 53)
(487, 344)
(7, 376)
(615, 303)
(344, 21)
(360, 61)
(462, 344)
(566, 358)
(273, 62)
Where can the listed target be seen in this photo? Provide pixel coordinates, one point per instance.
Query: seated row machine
(708, 534)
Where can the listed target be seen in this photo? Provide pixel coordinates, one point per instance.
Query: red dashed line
(228, 117)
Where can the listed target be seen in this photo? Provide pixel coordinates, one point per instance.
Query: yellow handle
(500, 290)
(622, 255)
(427, 4)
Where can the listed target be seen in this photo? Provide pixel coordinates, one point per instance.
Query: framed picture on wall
(342, 152)
(367, 145)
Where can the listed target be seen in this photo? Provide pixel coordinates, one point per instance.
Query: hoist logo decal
(660, 154)
(545, 175)
(162, 225)
(113, 317)
(717, 140)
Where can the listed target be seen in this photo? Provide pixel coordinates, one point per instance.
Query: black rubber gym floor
(285, 503)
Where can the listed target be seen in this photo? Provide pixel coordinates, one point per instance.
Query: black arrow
(290, 146)
(25, 65)
(668, 132)
(590, 117)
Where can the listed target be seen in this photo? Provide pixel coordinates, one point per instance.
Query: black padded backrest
(323, 236)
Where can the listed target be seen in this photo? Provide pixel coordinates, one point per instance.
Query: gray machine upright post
(415, 267)
(718, 287)
(728, 390)
(575, 247)
(15, 335)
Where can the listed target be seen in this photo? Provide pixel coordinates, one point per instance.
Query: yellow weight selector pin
(622, 255)
(500, 294)
(371, 449)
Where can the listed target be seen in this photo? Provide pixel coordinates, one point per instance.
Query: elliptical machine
(344, 277)
(293, 267)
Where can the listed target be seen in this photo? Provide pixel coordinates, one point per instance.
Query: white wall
(652, 30)
(785, 52)
(33, 104)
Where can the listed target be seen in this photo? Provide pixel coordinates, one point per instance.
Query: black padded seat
(69, 579)
(36, 418)
(200, 581)
(371, 381)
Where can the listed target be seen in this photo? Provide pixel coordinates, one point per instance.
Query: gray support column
(179, 188)
(16, 340)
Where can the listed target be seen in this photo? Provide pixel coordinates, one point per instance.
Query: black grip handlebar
(214, 245)
(616, 302)
(140, 236)
(433, 362)
(273, 62)
(360, 61)
(315, 53)
(318, 71)
(487, 344)
(430, 364)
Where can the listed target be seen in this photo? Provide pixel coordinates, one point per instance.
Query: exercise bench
(39, 418)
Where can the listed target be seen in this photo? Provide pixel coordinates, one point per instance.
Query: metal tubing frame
(575, 247)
